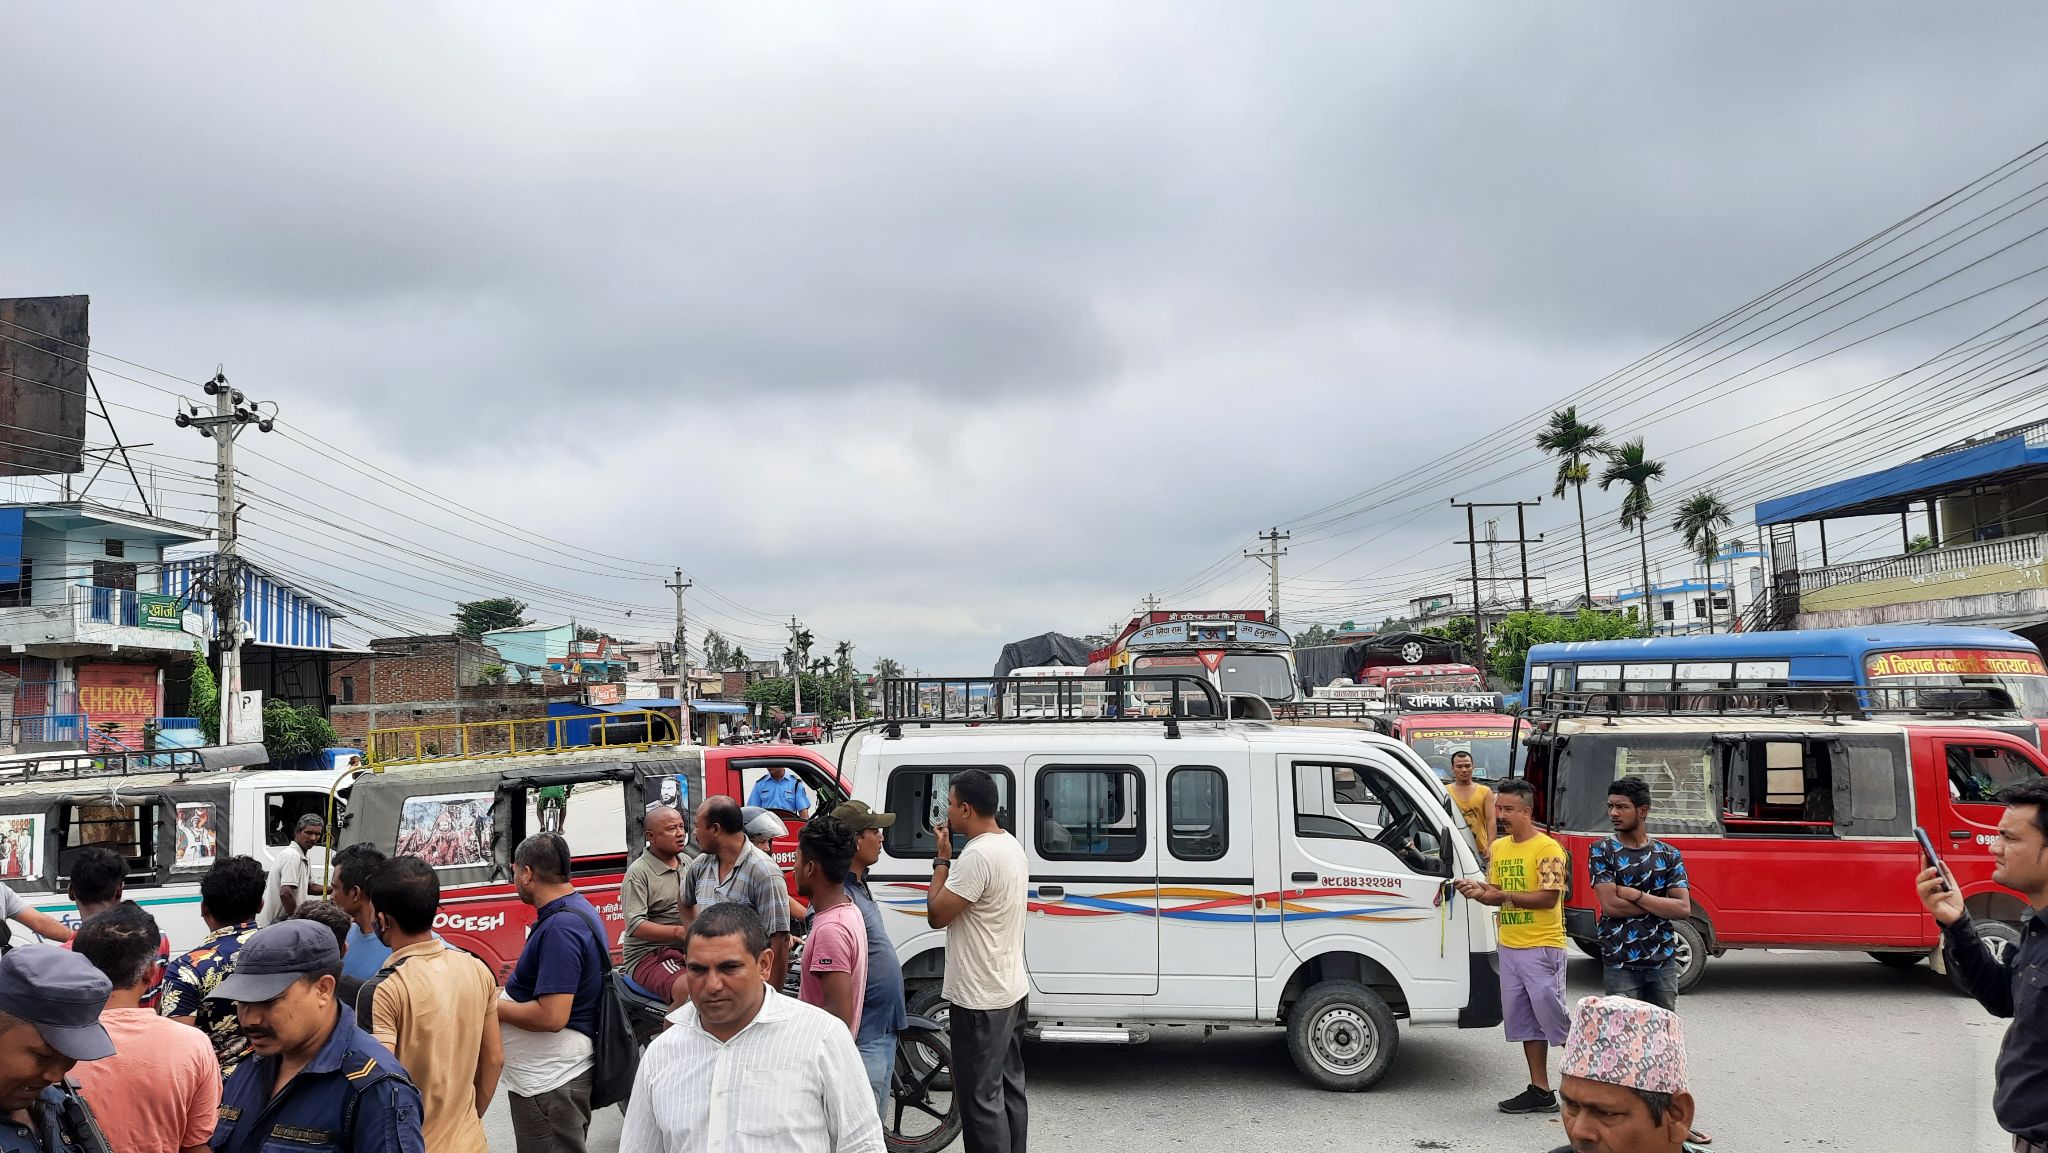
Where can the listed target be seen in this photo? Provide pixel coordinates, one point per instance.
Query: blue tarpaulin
(11, 526)
(718, 707)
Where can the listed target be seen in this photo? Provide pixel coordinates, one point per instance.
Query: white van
(1203, 874)
(170, 826)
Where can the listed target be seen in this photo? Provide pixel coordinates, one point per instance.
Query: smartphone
(1933, 860)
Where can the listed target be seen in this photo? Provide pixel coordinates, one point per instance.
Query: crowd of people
(346, 1023)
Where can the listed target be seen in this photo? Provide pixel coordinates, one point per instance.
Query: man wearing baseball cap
(314, 1077)
(882, 1014)
(1624, 1079)
(50, 1002)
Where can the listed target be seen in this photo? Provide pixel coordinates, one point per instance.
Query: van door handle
(1958, 834)
(1052, 892)
(1303, 878)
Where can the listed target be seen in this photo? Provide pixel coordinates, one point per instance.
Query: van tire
(1899, 961)
(1692, 953)
(928, 1000)
(1342, 1036)
(2002, 937)
(1590, 946)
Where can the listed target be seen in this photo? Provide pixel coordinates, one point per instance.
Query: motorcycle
(923, 1115)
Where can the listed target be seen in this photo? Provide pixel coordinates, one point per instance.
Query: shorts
(1532, 994)
(658, 973)
(1658, 986)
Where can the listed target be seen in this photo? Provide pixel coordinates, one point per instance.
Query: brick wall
(435, 681)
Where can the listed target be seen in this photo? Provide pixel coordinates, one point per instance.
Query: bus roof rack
(80, 764)
(1119, 698)
(1830, 702)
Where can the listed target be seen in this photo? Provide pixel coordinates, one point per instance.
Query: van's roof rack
(1113, 698)
(79, 764)
(1333, 709)
(1827, 702)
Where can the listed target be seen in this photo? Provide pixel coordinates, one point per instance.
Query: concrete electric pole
(231, 410)
(1270, 556)
(796, 665)
(682, 637)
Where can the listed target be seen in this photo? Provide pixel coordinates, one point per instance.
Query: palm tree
(1628, 464)
(887, 669)
(1574, 445)
(1701, 518)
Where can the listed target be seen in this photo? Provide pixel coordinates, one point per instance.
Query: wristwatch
(941, 863)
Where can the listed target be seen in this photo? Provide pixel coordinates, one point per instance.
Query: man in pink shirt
(835, 972)
(160, 1091)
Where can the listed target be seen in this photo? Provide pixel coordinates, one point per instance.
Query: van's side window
(917, 795)
(1787, 785)
(1197, 813)
(281, 812)
(1357, 803)
(1091, 813)
(128, 828)
(1977, 772)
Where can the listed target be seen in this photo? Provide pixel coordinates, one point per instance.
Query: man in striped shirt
(699, 1085)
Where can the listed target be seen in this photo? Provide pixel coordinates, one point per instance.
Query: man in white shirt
(742, 1069)
(979, 900)
(291, 875)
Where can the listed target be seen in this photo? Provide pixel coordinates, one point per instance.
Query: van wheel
(1590, 946)
(1691, 954)
(1342, 1036)
(1899, 961)
(928, 1000)
(1998, 936)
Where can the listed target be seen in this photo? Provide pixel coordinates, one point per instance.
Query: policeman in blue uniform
(50, 1002)
(315, 1080)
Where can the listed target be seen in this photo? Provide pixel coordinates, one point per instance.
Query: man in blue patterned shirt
(1642, 888)
(230, 897)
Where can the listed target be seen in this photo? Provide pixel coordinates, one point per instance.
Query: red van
(595, 797)
(1797, 830)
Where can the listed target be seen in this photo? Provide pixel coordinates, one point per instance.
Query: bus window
(281, 813)
(128, 828)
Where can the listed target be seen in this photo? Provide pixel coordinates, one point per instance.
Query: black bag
(615, 1050)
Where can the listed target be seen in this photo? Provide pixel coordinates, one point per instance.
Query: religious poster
(21, 847)
(448, 831)
(197, 838)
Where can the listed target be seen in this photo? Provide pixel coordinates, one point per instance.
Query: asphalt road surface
(1810, 1051)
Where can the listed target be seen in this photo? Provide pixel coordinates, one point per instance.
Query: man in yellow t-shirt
(1525, 881)
(1474, 801)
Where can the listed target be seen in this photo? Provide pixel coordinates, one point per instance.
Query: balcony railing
(100, 606)
(2014, 551)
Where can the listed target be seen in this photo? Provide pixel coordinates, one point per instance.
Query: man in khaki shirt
(650, 900)
(435, 1007)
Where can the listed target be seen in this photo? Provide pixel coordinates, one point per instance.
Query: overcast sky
(944, 325)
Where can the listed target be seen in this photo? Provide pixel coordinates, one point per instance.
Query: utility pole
(1151, 604)
(682, 637)
(231, 410)
(796, 665)
(1472, 542)
(1270, 557)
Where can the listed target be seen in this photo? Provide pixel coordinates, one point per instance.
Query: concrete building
(87, 628)
(1972, 542)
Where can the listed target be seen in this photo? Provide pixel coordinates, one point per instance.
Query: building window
(1670, 611)
(1197, 813)
(1721, 604)
(116, 546)
(1699, 607)
(348, 690)
(108, 574)
(19, 593)
(1092, 813)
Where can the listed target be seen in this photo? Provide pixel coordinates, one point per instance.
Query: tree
(1313, 636)
(1700, 519)
(475, 618)
(1574, 444)
(738, 660)
(1460, 630)
(717, 650)
(1921, 543)
(290, 732)
(1396, 625)
(1517, 632)
(778, 693)
(1628, 465)
(205, 696)
(843, 676)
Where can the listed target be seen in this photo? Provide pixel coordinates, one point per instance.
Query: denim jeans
(1658, 986)
(878, 1056)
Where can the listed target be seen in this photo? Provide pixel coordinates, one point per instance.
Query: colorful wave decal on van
(1210, 905)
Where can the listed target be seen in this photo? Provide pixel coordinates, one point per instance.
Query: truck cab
(1201, 873)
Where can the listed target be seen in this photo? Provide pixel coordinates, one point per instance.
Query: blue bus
(1886, 656)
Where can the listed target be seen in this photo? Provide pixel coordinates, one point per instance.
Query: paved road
(1789, 1051)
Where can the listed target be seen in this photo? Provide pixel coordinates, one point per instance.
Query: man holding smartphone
(2017, 987)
